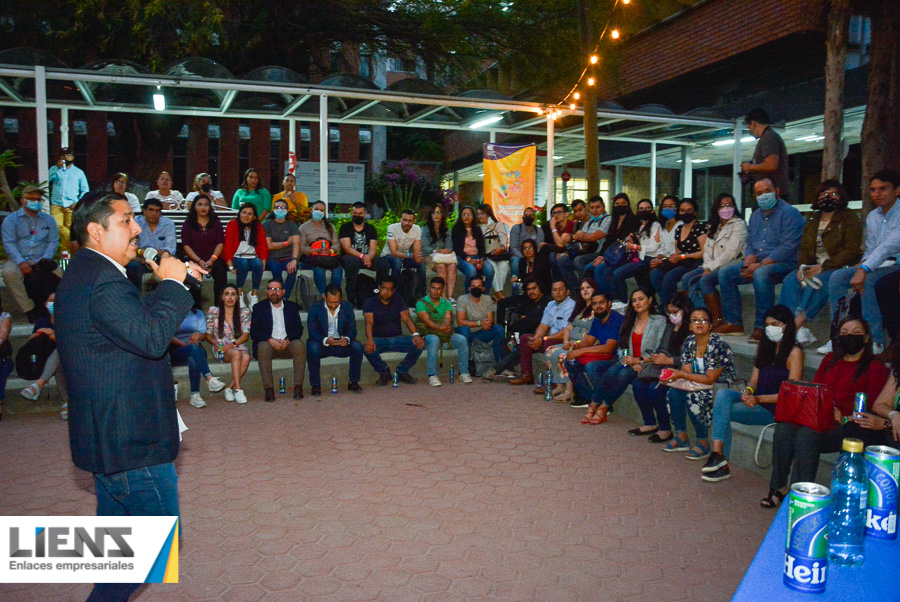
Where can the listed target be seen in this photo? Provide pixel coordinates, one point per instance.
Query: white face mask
(775, 333)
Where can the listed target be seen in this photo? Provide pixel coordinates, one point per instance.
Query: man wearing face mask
(30, 239)
(476, 317)
(524, 231)
(359, 243)
(67, 185)
(588, 234)
(773, 244)
(592, 356)
(770, 158)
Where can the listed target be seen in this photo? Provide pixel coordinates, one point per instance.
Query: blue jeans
(399, 343)
(195, 358)
(315, 351)
(147, 491)
(614, 382)
(457, 342)
(494, 335)
(337, 275)
(665, 279)
(586, 379)
(6, 368)
(677, 400)
(469, 270)
(839, 285)
(806, 300)
(698, 285)
(572, 270)
(244, 266)
(514, 265)
(279, 266)
(651, 399)
(729, 408)
(764, 280)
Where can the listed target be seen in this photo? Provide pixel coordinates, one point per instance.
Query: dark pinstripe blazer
(113, 346)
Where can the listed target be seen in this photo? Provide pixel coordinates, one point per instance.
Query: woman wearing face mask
(647, 243)
(203, 240)
(725, 244)
(623, 227)
(295, 200)
(252, 191)
(319, 233)
(778, 359)
(119, 185)
(283, 238)
(43, 327)
(171, 199)
(668, 218)
(705, 360)
(496, 244)
(246, 250)
(832, 239)
(690, 242)
(578, 326)
(203, 185)
(437, 247)
(851, 369)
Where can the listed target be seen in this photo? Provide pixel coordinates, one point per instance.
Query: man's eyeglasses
(277, 288)
(559, 212)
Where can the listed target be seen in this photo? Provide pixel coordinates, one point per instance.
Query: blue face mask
(668, 212)
(50, 307)
(767, 200)
(33, 205)
(317, 215)
(280, 213)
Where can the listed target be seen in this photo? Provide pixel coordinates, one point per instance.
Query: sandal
(589, 416)
(698, 452)
(677, 444)
(773, 500)
(32, 392)
(600, 415)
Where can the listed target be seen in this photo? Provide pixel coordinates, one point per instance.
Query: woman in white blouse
(171, 199)
(496, 243)
(647, 243)
(120, 186)
(203, 185)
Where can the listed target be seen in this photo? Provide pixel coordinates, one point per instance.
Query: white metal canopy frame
(133, 92)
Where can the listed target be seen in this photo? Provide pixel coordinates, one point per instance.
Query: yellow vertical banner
(509, 180)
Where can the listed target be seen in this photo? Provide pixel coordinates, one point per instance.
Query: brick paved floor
(459, 492)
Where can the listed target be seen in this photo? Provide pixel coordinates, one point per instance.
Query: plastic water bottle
(849, 498)
(220, 354)
(452, 374)
(540, 379)
(334, 385)
(548, 386)
(395, 380)
(281, 386)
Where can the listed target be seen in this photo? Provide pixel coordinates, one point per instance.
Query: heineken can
(860, 403)
(883, 465)
(806, 549)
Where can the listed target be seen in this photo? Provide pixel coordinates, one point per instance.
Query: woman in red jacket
(246, 250)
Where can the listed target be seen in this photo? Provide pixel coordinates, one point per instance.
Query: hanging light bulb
(626, 1)
(614, 34)
(594, 59)
(577, 95)
(590, 81)
(572, 106)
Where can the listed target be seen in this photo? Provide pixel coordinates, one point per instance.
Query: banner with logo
(509, 180)
(89, 549)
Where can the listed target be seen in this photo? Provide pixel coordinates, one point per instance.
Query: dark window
(365, 147)
(366, 65)
(180, 177)
(334, 145)
(212, 152)
(305, 143)
(275, 165)
(243, 150)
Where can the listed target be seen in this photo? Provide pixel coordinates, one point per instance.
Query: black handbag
(33, 355)
(615, 254)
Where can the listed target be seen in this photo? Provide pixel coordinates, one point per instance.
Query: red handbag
(807, 404)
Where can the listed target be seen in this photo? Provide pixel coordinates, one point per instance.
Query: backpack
(481, 357)
(848, 305)
(409, 282)
(365, 288)
(307, 292)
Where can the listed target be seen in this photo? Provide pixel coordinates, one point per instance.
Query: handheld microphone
(150, 254)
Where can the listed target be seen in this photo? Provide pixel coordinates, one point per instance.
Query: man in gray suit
(112, 344)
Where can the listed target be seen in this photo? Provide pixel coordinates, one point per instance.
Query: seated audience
(276, 329)
(403, 249)
(295, 200)
(319, 248)
(725, 244)
(496, 246)
(437, 247)
(246, 251)
(119, 185)
(561, 229)
(589, 234)
(549, 331)
(30, 241)
(203, 185)
(170, 199)
(578, 326)
(772, 245)
(359, 244)
(43, 327)
(690, 242)
(525, 319)
(668, 219)
(646, 243)
(227, 331)
(435, 322)
(476, 317)
(385, 314)
(520, 233)
(157, 232)
(283, 239)
(641, 333)
(832, 239)
(624, 225)
(470, 249)
(203, 241)
(778, 359)
(332, 333)
(186, 349)
(252, 191)
(592, 356)
(879, 259)
(705, 360)
(851, 369)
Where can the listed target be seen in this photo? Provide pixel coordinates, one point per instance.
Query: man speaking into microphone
(113, 348)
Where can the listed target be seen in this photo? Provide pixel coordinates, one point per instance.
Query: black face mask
(477, 292)
(852, 343)
(206, 187)
(827, 205)
(646, 216)
(359, 220)
(528, 220)
(69, 163)
(687, 217)
(619, 211)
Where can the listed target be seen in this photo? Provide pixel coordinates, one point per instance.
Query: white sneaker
(215, 385)
(619, 306)
(825, 349)
(229, 394)
(877, 348)
(239, 396)
(197, 401)
(805, 336)
(434, 381)
(465, 378)
(508, 374)
(252, 300)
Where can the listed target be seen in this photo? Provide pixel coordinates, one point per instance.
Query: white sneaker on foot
(215, 385)
(825, 349)
(197, 401)
(229, 394)
(434, 381)
(239, 396)
(465, 378)
(805, 336)
(877, 348)
(508, 374)
(252, 300)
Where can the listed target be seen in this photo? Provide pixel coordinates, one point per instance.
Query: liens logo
(53, 542)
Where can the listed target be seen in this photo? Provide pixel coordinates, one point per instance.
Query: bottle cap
(853, 445)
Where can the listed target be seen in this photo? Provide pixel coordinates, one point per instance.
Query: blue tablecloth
(878, 579)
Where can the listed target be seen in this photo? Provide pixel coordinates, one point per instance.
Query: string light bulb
(626, 1)
(572, 106)
(614, 34)
(590, 81)
(577, 95)
(594, 59)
